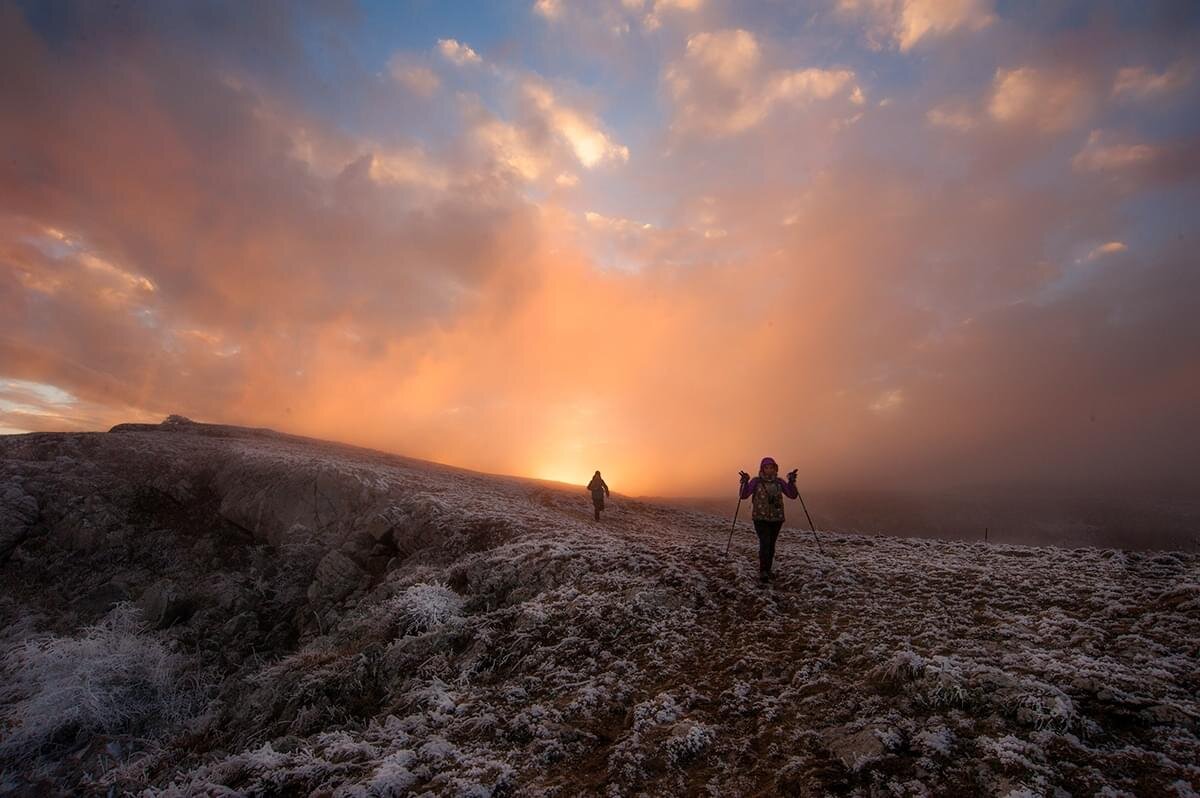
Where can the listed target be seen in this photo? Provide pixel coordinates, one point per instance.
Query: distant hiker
(599, 490)
(768, 491)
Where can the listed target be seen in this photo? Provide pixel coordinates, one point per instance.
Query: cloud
(411, 166)
(27, 406)
(509, 147)
(214, 214)
(550, 9)
(456, 53)
(721, 86)
(952, 117)
(653, 18)
(904, 23)
(612, 17)
(1102, 154)
(342, 259)
(581, 131)
(615, 224)
(1110, 248)
(888, 402)
(1046, 100)
(420, 80)
(1143, 83)
(542, 135)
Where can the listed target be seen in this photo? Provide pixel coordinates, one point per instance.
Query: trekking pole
(734, 525)
(810, 524)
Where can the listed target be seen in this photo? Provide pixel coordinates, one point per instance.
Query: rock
(18, 512)
(359, 545)
(1166, 714)
(299, 535)
(164, 604)
(855, 749)
(103, 598)
(204, 550)
(380, 528)
(239, 626)
(288, 744)
(338, 575)
(86, 526)
(269, 502)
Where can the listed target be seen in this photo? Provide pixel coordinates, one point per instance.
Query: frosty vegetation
(200, 610)
(111, 679)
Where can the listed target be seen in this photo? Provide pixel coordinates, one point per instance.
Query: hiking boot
(764, 576)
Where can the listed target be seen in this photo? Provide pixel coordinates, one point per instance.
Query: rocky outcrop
(337, 577)
(18, 513)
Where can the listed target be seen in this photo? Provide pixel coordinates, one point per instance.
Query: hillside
(200, 610)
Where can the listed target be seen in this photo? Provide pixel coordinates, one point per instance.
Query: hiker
(599, 490)
(768, 491)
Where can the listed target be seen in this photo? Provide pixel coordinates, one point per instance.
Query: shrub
(112, 678)
(425, 606)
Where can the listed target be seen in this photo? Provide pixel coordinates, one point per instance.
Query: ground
(197, 610)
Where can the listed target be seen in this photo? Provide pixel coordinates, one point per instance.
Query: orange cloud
(905, 23)
(953, 116)
(1046, 100)
(722, 87)
(1102, 154)
(583, 134)
(458, 53)
(1141, 82)
(882, 306)
(419, 79)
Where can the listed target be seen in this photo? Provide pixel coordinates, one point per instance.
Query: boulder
(165, 604)
(103, 598)
(380, 527)
(856, 749)
(238, 627)
(18, 512)
(377, 565)
(337, 576)
(268, 501)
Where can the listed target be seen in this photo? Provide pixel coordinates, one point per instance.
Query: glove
(792, 474)
(744, 477)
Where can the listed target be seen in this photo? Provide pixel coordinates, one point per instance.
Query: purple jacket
(789, 488)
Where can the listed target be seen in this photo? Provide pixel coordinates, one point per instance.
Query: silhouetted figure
(767, 490)
(599, 491)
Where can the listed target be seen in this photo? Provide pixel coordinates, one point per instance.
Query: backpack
(768, 500)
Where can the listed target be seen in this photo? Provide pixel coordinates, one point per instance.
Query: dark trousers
(768, 533)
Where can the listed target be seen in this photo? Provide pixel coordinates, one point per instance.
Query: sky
(894, 244)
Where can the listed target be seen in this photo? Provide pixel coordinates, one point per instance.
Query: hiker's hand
(792, 474)
(744, 477)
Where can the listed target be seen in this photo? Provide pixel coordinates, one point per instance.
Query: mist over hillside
(201, 610)
(1139, 517)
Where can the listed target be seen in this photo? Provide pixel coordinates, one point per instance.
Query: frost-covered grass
(423, 607)
(515, 646)
(112, 678)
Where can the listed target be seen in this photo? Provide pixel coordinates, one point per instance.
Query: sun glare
(563, 472)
